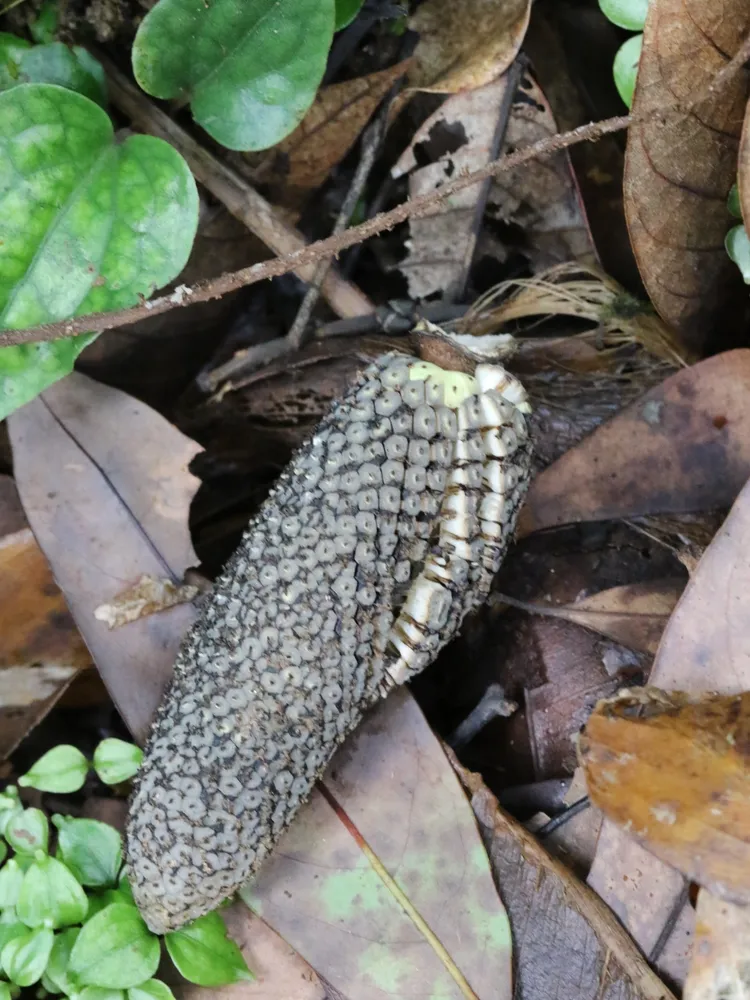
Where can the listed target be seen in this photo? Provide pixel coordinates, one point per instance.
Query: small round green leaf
(153, 989)
(25, 958)
(62, 769)
(737, 245)
(91, 850)
(733, 202)
(88, 224)
(10, 931)
(250, 68)
(204, 954)
(73, 68)
(57, 967)
(625, 67)
(28, 831)
(630, 14)
(51, 896)
(346, 11)
(44, 27)
(11, 880)
(116, 760)
(115, 949)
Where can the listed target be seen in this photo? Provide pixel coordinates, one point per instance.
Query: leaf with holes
(250, 68)
(89, 224)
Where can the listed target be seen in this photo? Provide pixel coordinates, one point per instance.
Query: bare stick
(214, 288)
(239, 197)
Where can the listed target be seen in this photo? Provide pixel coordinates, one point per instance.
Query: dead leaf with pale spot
(466, 45)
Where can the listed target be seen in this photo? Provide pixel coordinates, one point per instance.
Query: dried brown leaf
(719, 969)
(672, 770)
(466, 45)
(681, 163)
(148, 596)
(302, 162)
(683, 447)
(104, 483)
(567, 943)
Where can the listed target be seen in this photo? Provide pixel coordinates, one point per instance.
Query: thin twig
(214, 288)
(372, 139)
(239, 197)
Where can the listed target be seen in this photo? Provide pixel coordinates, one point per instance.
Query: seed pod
(382, 533)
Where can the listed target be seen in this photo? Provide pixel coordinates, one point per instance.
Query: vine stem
(214, 288)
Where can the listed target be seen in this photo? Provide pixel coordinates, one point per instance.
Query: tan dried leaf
(681, 162)
(720, 967)
(466, 45)
(147, 597)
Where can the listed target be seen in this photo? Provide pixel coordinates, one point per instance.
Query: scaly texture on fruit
(382, 533)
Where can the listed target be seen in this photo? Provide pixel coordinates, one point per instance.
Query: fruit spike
(385, 529)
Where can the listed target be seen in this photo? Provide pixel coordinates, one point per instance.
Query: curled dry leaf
(681, 162)
(149, 596)
(301, 162)
(673, 770)
(105, 485)
(553, 914)
(682, 447)
(464, 46)
(541, 198)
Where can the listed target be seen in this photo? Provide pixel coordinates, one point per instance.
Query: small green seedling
(68, 922)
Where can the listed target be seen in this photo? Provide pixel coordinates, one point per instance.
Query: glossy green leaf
(73, 68)
(737, 244)
(250, 68)
(346, 11)
(44, 26)
(91, 850)
(62, 769)
(10, 931)
(5, 993)
(11, 880)
(51, 896)
(100, 993)
(204, 954)
(733, 202)
(115, 949)
(27, 831)
(88, 224)
(116, 761)
(153, 989)
(57, 967)
(630, 14)
(625, 67)
(25, 958)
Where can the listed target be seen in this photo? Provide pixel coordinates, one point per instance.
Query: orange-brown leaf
(681, 163)
(674, 771)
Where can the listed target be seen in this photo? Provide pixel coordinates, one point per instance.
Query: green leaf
(346, 11)
(630, 14)
(116, 760)
(115, 949)
(44, 28)
(51, 896)
(625, 67)
(72, 68)
(204, 954)
(250, 68)
(28, 831)
(3, 851)
(57, 967)
(153, 989)
(737, 245)
(10, 931)
(46, 983)
(733, 202)
(100, 993)
(11, 880)
(5, 993)
(25, 957)
(62, 769)
(91, 850)
(89, 224)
